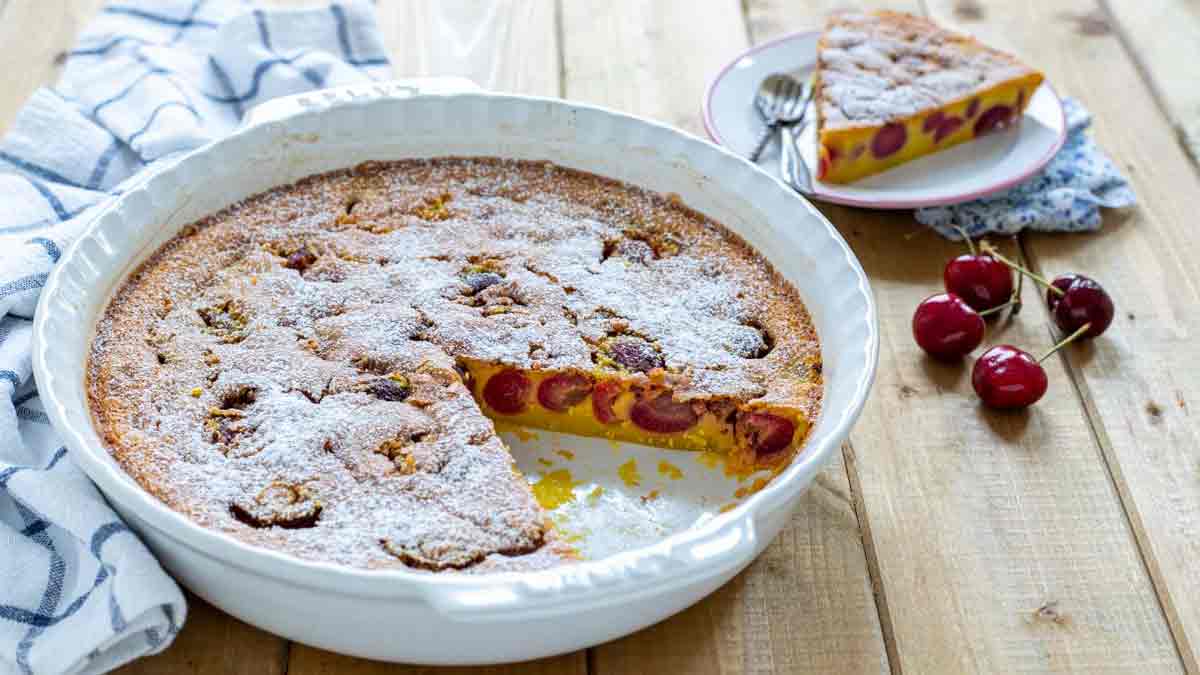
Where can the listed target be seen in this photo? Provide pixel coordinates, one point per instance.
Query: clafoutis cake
(891, 87)
(319, 369)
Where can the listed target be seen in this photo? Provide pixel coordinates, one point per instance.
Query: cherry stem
(1013, 302)
(1069, 339)
(1016, 296)
(967, 238)
(991, 250)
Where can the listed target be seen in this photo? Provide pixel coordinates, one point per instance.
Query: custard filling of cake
(644, 411)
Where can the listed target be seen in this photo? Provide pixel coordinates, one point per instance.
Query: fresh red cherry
(1008, 378)
(603, 395)
(767, 434)
(980, 280)
(563, 391)
(946, 327)
(1062, 282)
(663, 414)
(507, 392)
(1082, 301)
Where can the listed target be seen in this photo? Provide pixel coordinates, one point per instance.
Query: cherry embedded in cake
(892, 87)
(320, 369)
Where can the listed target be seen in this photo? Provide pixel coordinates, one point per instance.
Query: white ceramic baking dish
(449, 618)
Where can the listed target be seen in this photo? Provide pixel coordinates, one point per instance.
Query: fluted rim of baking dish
(73, 297)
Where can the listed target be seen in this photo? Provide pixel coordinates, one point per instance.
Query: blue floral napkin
(1065, 197)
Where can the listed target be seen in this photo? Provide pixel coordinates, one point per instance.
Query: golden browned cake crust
(288, 371)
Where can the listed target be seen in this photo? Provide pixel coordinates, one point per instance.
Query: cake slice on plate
(891, 87)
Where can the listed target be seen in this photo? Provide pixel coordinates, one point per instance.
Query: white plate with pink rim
(968, 171)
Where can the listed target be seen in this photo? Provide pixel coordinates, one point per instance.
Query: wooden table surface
(949, 538)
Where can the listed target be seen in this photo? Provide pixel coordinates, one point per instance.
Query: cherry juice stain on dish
(571, 537)
(747, 490)
(711, 460)
(669, 470)
(525, 435)
(565, 533)
(555, 489)
(629, 473)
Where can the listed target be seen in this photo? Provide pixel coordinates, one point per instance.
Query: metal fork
(792, 168)
(779, 101)
(782, 101)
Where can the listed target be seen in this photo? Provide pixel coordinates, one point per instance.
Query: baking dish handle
(321, 99)
(708, 557)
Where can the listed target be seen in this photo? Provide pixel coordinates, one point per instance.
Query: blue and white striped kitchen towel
(79, 593)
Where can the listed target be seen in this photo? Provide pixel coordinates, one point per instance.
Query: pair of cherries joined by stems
(950, 325)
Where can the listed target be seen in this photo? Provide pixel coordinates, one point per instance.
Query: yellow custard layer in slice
(849, 154)
(636, 410)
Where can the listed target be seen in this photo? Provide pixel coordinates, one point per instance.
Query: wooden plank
(506, 45)
(652, 58)
(1163, 37)
(317, 662)
(806, 605)
(502, 45)
(1001, 542)
(34, 40)
(1138, 380)
(214, 642)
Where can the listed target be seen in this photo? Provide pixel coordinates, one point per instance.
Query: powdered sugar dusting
(880, 66)
(286, 370)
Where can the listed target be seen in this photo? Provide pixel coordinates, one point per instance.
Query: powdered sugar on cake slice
(881, 66)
